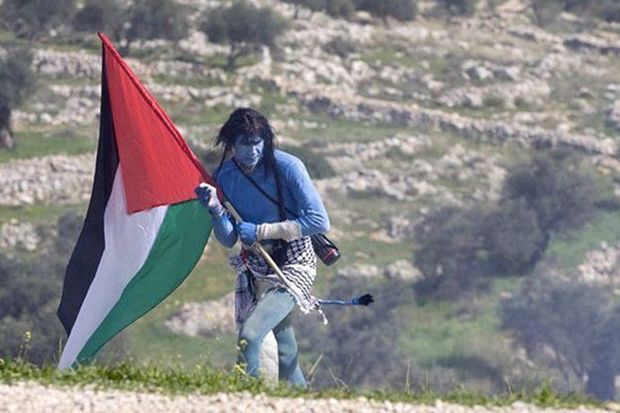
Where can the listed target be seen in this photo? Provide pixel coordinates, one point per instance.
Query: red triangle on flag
(158, 166)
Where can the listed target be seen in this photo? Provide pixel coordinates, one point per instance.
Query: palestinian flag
(144, 230)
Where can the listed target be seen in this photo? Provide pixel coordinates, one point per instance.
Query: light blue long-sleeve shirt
(300, 197)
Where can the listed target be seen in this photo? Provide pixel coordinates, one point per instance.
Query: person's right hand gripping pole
(205, 193)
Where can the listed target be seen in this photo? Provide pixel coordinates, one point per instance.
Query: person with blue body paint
(256, 172)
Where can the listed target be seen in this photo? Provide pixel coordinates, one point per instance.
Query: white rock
(403, 270)
(49, 180)
(479, 73)
(359, 271)
(613, 115)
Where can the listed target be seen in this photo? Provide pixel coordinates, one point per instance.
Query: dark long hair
(246, 121)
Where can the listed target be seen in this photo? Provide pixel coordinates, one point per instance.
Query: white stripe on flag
(128, 241)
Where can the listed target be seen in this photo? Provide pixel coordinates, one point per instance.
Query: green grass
(152, 342)
(443, 67)
(466, 327)
(44, 94)
(390, 54)
(32, 143)
(597, 121)
(6, 36)
(73, 42)
(203, 379)
(469, 327)
(195, 81)
(565, 98)
(378, 252)
(269, 101)
(463, 327)
(196, 114)
(218, 60)
(340, 130)
(570, 249)
(38, 213)
(163, 348)
(221, 60)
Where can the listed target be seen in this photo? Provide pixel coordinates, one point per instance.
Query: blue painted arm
(224, 230)
(313, 218)
(222, 226)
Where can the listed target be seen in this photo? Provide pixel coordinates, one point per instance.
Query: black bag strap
(261, 190)
(324, 248)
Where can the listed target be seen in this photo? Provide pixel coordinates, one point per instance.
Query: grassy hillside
(466, 99)
(205, 380)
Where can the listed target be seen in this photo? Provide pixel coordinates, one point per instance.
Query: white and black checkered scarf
(299, 269)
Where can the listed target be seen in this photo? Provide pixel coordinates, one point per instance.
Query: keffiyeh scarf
(299, 269)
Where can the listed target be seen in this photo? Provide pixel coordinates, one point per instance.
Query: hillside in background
(468, 161)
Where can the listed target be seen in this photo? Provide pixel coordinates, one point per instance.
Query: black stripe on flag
(91, 243)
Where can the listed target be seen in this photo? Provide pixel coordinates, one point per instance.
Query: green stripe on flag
(179, 244)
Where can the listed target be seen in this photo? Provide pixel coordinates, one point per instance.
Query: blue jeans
(272, 312)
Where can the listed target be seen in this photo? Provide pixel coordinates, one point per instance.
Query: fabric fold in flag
(144, 230)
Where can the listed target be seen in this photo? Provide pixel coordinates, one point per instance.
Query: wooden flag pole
(257, 245)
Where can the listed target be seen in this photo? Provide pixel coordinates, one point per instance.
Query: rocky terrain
(27, 397)
(601, 266)
(508, 70)
(415, 116)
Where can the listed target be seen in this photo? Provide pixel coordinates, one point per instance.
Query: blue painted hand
(247, 232)
(207, 195)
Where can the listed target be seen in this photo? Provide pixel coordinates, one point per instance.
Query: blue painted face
(249, 150)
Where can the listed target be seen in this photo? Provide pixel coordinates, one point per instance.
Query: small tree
(456, 7)
(341, 46)
(312, 5)
(337, 8)
(458, 248)
(556, 187)
(29, 291)
(155, 19)
(340, 8)
(316, 163)
(609, 10)
(360, 347)
(16, 83)
(545, 11)
(513, 239)
(97, 16)
(32, 19)
(577, 322)
(402, 10)
(243, 26)
(451, 252)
